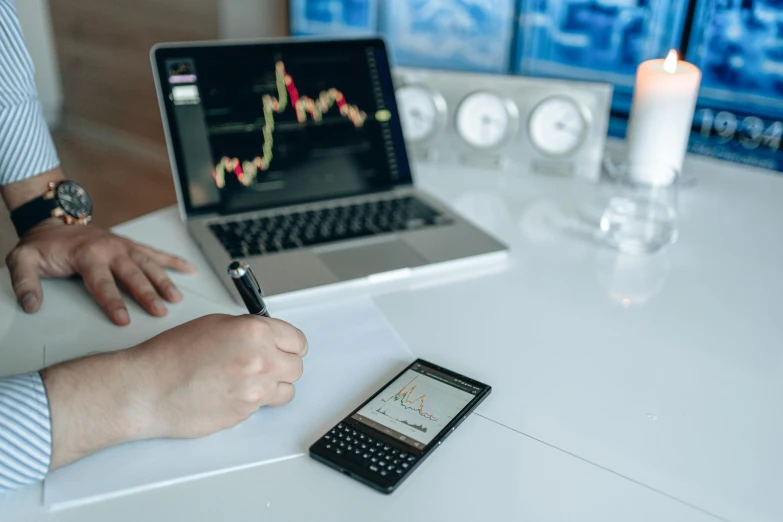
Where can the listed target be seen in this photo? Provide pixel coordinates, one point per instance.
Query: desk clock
(545, 126)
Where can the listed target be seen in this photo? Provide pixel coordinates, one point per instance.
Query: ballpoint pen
(248, 287)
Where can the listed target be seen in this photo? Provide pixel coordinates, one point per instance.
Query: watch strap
(32, 213)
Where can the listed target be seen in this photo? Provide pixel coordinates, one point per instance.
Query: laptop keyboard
(270, 234)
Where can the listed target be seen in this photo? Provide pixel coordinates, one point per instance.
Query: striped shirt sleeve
(25, 431)
(26, 147)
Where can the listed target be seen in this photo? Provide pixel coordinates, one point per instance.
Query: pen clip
(255, 281)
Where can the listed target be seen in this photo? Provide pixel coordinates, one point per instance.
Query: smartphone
(386, 438)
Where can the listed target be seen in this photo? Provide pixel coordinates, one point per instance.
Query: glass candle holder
(639, 218)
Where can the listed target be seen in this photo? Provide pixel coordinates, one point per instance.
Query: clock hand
(567, 116)
(560, 125)
(490, 122)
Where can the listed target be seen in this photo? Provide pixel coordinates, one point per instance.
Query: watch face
(484, 120)
(421, 112)
(557, 126)
(74, 200)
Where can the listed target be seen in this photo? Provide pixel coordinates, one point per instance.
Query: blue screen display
(596, 40)
(738, 45)
(334, 17)
(472, 35)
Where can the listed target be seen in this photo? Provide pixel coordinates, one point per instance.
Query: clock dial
(421, 112)
(485, 120)
(74, 200)
(557, 126)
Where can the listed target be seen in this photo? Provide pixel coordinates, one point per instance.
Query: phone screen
(417, 405)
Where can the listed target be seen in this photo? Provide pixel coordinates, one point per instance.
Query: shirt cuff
(25, 431)
(26, 147)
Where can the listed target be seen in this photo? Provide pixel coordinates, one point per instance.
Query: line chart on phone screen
(416, 405)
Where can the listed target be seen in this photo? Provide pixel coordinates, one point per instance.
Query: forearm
(69, 411)
(21, 192)
(96, 402)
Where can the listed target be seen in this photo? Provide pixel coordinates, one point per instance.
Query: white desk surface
(625, 388)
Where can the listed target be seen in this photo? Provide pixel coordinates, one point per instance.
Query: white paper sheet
(92, 332)
(353, 351)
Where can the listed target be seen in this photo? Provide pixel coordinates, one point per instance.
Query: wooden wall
(103, 49)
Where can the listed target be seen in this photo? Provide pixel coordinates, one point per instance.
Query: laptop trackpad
(362, 261)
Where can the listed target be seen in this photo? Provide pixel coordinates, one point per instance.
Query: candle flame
(670, 64)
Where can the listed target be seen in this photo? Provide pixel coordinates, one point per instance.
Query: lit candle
(664, 100)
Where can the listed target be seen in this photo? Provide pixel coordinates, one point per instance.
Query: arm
(26, 147)
(28, 161)
(16, 194)
(196, 379)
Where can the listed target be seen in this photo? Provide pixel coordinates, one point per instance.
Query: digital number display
(751, 131)
(740, 137)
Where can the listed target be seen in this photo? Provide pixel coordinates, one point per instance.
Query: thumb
(23, 264)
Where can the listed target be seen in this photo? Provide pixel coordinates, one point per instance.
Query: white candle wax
(664, 101)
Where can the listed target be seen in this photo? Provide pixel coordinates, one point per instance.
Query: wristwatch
(66, 200)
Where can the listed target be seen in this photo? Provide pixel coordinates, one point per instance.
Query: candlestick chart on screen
(288, 108)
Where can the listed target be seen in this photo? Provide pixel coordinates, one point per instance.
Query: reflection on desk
(630, 280)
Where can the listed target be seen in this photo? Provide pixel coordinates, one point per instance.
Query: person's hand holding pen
(201, 377)
(222, 370)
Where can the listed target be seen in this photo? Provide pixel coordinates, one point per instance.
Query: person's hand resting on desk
(54, 249)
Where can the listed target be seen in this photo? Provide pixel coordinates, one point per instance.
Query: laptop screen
(261, 125)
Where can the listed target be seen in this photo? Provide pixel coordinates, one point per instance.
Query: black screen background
(310, 160)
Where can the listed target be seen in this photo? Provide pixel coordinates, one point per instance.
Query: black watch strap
(32, 213)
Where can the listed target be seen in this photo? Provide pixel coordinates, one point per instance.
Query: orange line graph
(247, 171)
(404, 398)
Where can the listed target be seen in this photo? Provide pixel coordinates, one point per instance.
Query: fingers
(138, 284)
(288, 338)
(166, 260)
(283, 395)
(23, 264)
(273, 360)
(157, 276)
(288, 367)
(100, 283)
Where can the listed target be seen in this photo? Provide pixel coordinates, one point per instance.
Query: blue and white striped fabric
(26, 147)
(25, 431)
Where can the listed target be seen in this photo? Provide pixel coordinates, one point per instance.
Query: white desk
(663, 370)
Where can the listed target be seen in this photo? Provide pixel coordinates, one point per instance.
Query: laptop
(289, 154)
